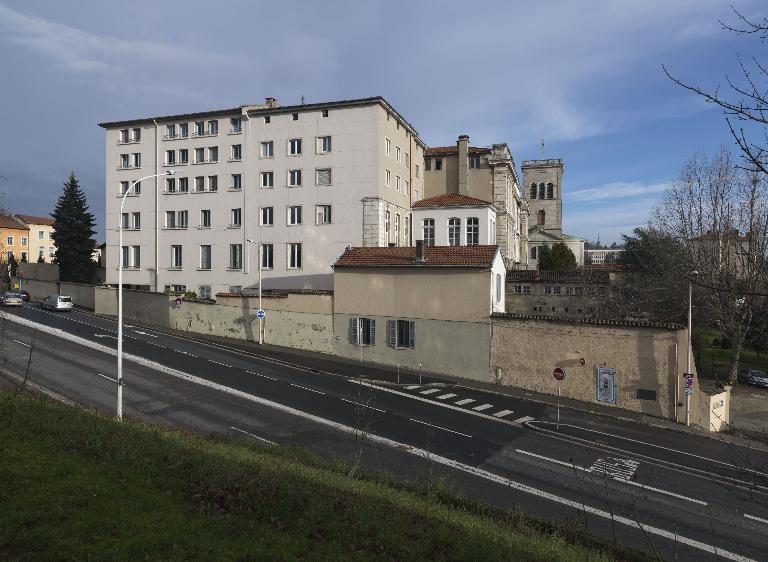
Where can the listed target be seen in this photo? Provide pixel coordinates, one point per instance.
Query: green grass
(78, 486)
(713, 359)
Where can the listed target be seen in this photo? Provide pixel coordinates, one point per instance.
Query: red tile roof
(439, 150)
(11, 222)
(435, 256)
(451, 200)
(31, 219)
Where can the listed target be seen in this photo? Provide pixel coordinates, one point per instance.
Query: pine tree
(73, 233)
(558, 257)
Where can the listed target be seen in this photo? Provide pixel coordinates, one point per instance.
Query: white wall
(487, 216)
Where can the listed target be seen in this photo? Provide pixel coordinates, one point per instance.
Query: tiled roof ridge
(431, 151)
(405, 256)
(450, 199)
(577, 320)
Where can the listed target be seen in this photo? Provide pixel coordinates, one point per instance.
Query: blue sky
(585, 76)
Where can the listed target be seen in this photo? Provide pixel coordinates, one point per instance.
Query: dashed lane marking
(431, 391)
(482, 407)
(106, 377)
(260, 375)
(442, 428)
(446, 396)
(502, 413)
(306, 388)
(523, 420)
(185, 352)
(219, 363)
(465, 401)
(363, 405)
(249, 434)
(22, 343)
(413, 387)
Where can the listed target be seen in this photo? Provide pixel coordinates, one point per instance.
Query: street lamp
(258, 266)
(689, 351)
(120, 292)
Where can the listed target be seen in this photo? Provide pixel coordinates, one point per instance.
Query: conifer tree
(558, 257)
(73, 233)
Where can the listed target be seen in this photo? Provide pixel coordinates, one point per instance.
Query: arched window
(541, 191)
(540, 217)
(454, 231)
(550, 191)
(533, 190)
(533, 252)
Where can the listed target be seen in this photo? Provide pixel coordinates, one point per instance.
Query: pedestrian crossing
(441, 394)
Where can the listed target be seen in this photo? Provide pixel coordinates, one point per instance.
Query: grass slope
(78, 486)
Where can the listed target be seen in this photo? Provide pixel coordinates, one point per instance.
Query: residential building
(566, 294)
(14, 237)
(425, 306)
(488, 174)
(543, 181)
(602, 256)
(40, 240)
(305, 181)
(453, 219)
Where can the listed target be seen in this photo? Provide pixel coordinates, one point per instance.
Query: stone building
(572, 294)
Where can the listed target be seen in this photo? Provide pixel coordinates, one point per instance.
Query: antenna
(542, 147)
(302, 100)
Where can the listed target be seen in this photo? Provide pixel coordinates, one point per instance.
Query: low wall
(38, 271)
(39, 289)
(82, 295)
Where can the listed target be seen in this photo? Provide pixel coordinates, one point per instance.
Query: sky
(586, 77)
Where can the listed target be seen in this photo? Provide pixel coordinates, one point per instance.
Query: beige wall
(39, 271)
(39, 289)
(35, 243)
(17, 247)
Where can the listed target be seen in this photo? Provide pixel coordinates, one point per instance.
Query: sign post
(688, 391)
(559, 374)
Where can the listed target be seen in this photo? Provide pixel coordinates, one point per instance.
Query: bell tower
(543, 187)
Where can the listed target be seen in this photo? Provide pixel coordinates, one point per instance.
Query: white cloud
(616, 190)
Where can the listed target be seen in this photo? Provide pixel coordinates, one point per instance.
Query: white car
(56, 302)
(12, 299)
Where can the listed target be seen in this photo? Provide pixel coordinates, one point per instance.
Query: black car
(753, 377)
(23, 294)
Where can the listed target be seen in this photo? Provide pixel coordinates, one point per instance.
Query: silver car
(56, 302)
(12, 299)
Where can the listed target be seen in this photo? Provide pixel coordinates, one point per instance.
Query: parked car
(753, 377)
(23, 294)
(12, 299)
(56, 302)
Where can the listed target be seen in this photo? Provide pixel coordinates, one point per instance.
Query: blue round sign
(260, 314)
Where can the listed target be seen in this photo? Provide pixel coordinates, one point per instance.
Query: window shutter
(412, 334)
(353, 327)
(392, 332)
(373, 332)
(324, 176)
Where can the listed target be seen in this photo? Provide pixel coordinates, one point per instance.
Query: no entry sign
(559, 373)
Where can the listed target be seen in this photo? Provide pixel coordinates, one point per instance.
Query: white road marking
(249, 434)
(645, 487)
(503, 413)
(185, 352)
(431, 391)
(363, 405)
(563, 463)
(438, 427)
(106, 377)
(22, 343)
(219, 363)
(482, 407)
(262, 376)
(145, 334)
(410, 449)
(465, 401)
(446, 396)
(104, 336)
(306, 388)
(523, 420)
(760, 519)
(413, 387)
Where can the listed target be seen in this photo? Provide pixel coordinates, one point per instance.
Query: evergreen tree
(12, 266)
(557, 257)
(73, 233)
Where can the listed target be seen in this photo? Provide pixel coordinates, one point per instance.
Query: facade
(567, 294)
(487, 174)
(304, 182)
(454, 220)
(606, 256)
(394, 307)
(14, 237)
(40, 241)
(543, 185)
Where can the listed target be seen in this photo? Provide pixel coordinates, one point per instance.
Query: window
(176, 219)
(135, 256)
(237, 152)
(213, 127)
(40, 252)
(533, 191)
(438, 164)
(204, 291)
(205, 218)
(522, 290)
(181, 218)
(417, 170)
(397, 230)
(183, 185)
(533, 252)
(386, 228)
(267, 255)
(407, 240)
(474, 161)
(294, 178)
(363, 331)
(323, 145)
(213, 183)
(541, 191)
(267, 179)
(294, 147)
(402, 333)
(175, 288)
(267, 119)
(397, 183)
(387, 146)
(126, 185)
(324, 113)
(267, 216)
(407, 160)
(235, 218)
(428, 164)
(136, 221)
(136, 135)
(295, 116)
(429, 232)
(9, 240)
(200, 183)
(199, 155)
(540, 217)
(294, 215)
(498, 287)
(406, 187)
(473, 231)
(213, 154)
(184, 130)
(397, 154)
(199, 128)
(23, 256)
(170, 131)
(323, 176)
(170, 185)
(183, 156)
(123, 135)
(125, 160)
(176, 257)
(235, 256)
(136, 160)
(294, 256)
(50, 235)
(40, 235)
(323, 214)
(24, 241)
(387, 178)
(454, 232)
(237, 181)
(205, 257)
(550, 191)
(170, 157)
(267, 149)
(125, 256)
(235, 125)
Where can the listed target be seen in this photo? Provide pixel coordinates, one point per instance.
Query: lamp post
(258, 265)
(689, 351)
(120, 292)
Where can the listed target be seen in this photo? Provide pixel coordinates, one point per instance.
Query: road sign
(688, 391)
(689, 381)
(559, 373)
(260, 314)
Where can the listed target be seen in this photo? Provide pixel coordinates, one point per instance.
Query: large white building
(305, 181)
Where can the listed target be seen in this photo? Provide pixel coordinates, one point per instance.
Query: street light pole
(120, 292)
(689, 351)
(258, 265)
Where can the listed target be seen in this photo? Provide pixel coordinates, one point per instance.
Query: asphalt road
(684, 496)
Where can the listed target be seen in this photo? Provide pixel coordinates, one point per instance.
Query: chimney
(419, 251)
(271, 103)
(463, 145)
